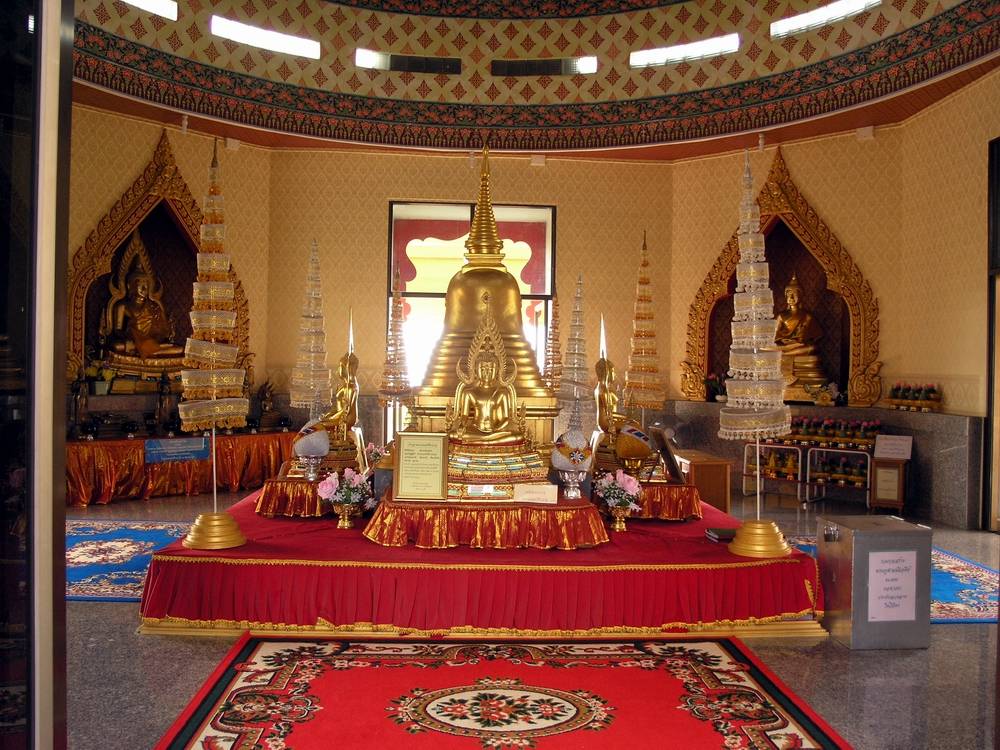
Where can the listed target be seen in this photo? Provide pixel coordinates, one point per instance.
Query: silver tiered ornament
(572, 455)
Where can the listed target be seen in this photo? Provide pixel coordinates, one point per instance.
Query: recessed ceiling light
(369, 58)
(821, 16)
(165, 8)
(585, 65)
(719, 45)
(265, 38)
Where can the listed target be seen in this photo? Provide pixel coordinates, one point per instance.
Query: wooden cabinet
(710, 474)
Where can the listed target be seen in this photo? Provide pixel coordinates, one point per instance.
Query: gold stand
(214, 531)
(618, 515)
(759, 538)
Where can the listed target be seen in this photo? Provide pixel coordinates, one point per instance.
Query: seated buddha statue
(609, 419)
(138, 322)
(488, 442)
(796, 337)
(344, 443)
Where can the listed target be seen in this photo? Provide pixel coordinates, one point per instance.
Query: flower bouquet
(620, 491)
(347, 496)
(374, 454)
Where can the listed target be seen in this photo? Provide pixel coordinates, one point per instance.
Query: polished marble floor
(940, 697)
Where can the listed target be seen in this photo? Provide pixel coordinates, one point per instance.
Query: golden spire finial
(484, 245)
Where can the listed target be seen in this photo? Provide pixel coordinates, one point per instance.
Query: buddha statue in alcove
(139, 323)
(797, 334)
(136, 330)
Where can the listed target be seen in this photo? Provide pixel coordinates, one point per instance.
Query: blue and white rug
(106, 561)
(962, 591)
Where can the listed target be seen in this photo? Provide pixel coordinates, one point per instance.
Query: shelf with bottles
(837, 467)
(908, 397)
(830, 433)
(780, 463)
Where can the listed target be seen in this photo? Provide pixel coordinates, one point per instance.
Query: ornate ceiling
(769, 83)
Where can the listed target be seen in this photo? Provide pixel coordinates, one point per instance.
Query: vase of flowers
(620, 492)
(347, 496)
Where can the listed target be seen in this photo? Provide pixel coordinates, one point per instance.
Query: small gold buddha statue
(485, 408)
(796, 337)
(343, 415)
(609, 419)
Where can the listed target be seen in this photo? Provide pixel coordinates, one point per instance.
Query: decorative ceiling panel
(341, 30)
(509, 8)
(768, 82)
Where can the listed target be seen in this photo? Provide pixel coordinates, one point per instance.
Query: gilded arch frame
(160, 180)
(780, 199)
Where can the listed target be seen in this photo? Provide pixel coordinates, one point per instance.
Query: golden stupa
(483, 272)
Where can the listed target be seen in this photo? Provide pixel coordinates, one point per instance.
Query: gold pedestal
(618, 516)
(759, 539)
(214, 531)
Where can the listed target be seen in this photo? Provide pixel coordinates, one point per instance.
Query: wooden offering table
(567, 524)
(710, 474)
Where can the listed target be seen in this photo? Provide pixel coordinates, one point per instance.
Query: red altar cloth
(99, 471)
(306, 574)
(669, 502)
(566, 525)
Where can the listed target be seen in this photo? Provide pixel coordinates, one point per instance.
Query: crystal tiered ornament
(552, 375)
(212, 383)
(575, 377)
(755, 388)
(311, 380)
(643, 384)
(395, 386)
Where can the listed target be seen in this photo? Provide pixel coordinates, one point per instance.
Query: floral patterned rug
(962, 591)
(106, 561)
(281, 693)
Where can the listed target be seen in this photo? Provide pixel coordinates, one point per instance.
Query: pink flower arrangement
(374, 453)
(353, 489)
(618, 490)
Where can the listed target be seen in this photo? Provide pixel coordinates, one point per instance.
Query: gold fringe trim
(470, 566)
(221, 335)
(206, 424)
(165, 623)
(198, 394)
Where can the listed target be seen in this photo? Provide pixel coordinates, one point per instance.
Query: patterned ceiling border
(959, 36)
(508, 9)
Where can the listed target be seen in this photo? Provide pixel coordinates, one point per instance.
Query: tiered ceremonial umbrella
(213, 393)
(755, 407)
(643, 383)
(311, 381)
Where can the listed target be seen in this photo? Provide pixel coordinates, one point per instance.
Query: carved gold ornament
(160, 180)
(780, 199)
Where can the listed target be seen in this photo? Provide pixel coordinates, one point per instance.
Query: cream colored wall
(943, 263)
(909, 205)
(110, 151)
(342, 199)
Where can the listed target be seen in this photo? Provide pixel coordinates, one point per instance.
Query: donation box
(876, 576)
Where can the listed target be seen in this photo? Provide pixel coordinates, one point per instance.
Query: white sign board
(893, 446)
(892, 586)
(536, 493)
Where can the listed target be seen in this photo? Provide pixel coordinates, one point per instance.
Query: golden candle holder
(618, 515)
(214, 531)
(345, 514)
(632, 465)
(761, 538)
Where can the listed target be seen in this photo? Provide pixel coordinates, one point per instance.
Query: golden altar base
(568, 524)
(290, 494)
(668, 502)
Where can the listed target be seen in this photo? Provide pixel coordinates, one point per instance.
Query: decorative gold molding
(160, 180)
(780, 199)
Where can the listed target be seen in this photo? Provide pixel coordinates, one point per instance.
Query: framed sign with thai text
(420, 466)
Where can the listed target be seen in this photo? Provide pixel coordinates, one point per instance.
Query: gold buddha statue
(344, 444)
(485, 407)
(139, 323)
(609, 419)
(484, 271)
(796, 337)
(488, 442)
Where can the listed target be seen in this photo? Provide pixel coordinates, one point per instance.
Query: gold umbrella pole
(759, 538)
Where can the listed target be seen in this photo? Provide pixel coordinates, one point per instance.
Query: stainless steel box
(876, 577)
